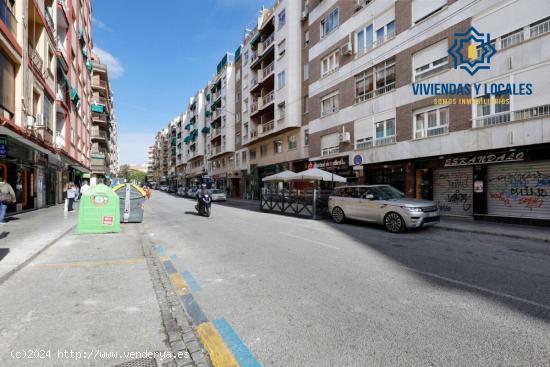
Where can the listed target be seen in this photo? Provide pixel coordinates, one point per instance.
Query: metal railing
(504, 117)
(253, 107)
(7, 16)
(99, 116)
(329, 111)
(540, 29)
(364, 145)
(267, 99)
(382, 40)
(100, 100)
(428, 133)
(512, 39)
(49, 20)
(268, 70)
(268, 41)
(99, 83)
(384, 141)
(35, 57)
(266, 127)
(375, 93)
(329, 151)
(216, 132)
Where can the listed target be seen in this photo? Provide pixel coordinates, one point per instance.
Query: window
(263, 150)
(292, 142)
(281, 79)
(306, 38)
(540, 27)
(306, 105)
(306, 137)
(431, 60)
(237, 159)
(330, 64)
(281, 110)
(243, 156)
(329, 23)
(245, 105)
(330, 104)
(281, 48)
(48, 112)
(385, 132)
(384, 75)
(278, 146)
(306, 71)
(282, 18)
(238, 138)
(330, 144)
(364, 40)
(511, 39)
(492, 109)
(245, 127)
(252, 154)
(7, 91)
(431, 122)
(245, 58)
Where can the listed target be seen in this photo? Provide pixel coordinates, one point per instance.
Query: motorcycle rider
(203, 191)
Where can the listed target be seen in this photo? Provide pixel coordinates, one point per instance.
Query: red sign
(108, 221)
(310, 165)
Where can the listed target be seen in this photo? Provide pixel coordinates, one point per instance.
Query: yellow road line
(90, 264)
(219, 353)
(179, 283)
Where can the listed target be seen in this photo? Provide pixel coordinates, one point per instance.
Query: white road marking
(482, 289)
(310, 240)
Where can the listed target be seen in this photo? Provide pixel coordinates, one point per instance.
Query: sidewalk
(449, 224)
(26, 235)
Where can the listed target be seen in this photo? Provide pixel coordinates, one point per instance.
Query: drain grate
(141, 362)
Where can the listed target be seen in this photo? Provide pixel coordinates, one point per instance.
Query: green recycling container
(132, 199)
(99, 211)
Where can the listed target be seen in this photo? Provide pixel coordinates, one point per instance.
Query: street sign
(358, 159)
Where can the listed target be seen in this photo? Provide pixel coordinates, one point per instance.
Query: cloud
(100, 25)
(113, 64)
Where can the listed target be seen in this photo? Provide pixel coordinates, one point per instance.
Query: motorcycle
(204, 205)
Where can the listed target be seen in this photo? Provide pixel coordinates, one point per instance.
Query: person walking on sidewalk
(7, 196)
(71, 196)
(85, 187)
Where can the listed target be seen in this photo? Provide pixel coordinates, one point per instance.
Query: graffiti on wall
(454, 192)
(527, 189)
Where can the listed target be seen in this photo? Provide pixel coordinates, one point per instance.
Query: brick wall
(315, 139)
(346, 9)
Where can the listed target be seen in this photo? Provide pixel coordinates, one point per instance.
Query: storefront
(510, 185)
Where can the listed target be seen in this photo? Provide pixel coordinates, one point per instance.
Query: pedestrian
(7, 196)
(71, 195)
(85, 187)
(77, 194)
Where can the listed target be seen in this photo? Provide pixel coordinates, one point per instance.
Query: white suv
(381, 204)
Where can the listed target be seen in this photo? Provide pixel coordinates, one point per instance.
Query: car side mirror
(368, 196)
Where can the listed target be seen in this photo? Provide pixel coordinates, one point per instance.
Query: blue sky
(159, 54)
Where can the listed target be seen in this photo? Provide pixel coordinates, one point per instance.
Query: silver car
(218, 195)
(381, 204)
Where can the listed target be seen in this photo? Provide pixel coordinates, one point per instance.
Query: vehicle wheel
(338, 215)
(394, 223)
(207, 212)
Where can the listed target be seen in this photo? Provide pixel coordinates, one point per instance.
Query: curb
(479, 231)
(10, 273)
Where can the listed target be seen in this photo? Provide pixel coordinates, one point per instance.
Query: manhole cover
(142, 362)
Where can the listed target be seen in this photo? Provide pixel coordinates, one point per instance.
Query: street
(292, 292)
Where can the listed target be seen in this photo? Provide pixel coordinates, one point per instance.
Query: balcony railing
(99, 116)
(268, 41)
(384, 141)
(267, 99)
(504, 117)
(99, 83)
(379, 42)
(49, 20)
(99, 134)
(428, 133)
(512, 39)
(7, 17)
(375, 93)
(330, 151)
(216, 132)
(266, 127)
(268, 70)
(100, 100)
(35, 57)
(253, 107)
(364, 144)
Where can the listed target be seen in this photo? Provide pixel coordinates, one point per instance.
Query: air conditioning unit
(345, 137)
(39, 122)
(347, 49)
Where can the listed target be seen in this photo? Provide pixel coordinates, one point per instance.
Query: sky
(159, 54)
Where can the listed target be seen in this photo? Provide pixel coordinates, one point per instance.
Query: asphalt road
(313, 293)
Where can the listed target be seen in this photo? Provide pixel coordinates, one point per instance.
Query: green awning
(98, 108)
(74, 96)
(85, 51)
(207, 113)
(81, 35)
(205, 130)
(89, 65)
(208, 97)
(174, 141)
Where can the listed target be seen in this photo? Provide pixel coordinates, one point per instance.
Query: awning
(280, 177)
(98, 108)
(316, 174)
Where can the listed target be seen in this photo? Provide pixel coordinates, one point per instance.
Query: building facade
(45, 97)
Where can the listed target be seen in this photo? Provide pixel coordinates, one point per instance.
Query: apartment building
(104, 152)
(151, 166)
(274, 71)
(45, 95)
(220, 98)
(197, 139)
(475, 159)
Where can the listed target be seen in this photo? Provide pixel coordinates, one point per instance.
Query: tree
(131, 174)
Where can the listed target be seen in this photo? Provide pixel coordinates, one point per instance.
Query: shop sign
(338, 163)
(485, 159)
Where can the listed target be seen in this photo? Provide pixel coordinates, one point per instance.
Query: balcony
(35, 58)
(431, 132)
(387, 140)
(504, 117)
(329, 151)
(99, 117)
(7, 16)
(254, 108)
(268, 42)
(267, 99)
(268, 70)
(49, 20)
(375, 93)
(266, 128)
(99, 83)
(215, 133)
(99, 134)
(100, 100)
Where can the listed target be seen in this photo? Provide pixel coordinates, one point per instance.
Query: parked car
(163, 188)
(381, 204)
(192, 192)
(218, 195)
(172, 189)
